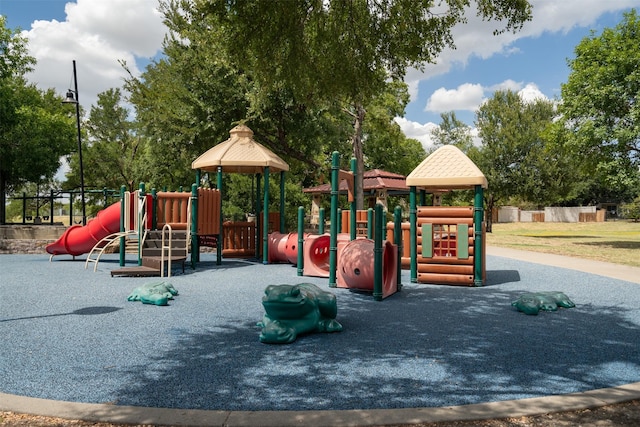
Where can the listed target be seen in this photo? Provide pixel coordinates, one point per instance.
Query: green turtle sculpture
(158, 293)
(292, 310)
(532, 303)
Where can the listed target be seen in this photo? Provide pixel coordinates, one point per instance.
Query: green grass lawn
(612, 241)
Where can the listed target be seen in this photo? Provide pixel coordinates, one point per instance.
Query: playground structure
(194, 216)
(447, 243)
(344, 258)
(439, 244)
(242, 154)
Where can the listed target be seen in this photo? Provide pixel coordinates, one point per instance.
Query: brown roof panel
(375, 179)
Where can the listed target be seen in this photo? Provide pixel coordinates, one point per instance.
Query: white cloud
(419, 131)
(530, 93)
(97, 34)
(423, 132)
(475, 37)
(467, 96)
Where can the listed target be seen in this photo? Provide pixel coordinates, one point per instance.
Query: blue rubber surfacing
(70, 334)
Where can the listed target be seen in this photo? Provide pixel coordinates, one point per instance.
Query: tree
(600, 99)
(452, 131)
(34, 128)
(333, 50)
(115, 151)
(516, 155)
(387, 146)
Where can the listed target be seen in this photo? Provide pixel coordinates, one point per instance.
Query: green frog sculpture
(292, 310)
(532, 303)
(157, 293)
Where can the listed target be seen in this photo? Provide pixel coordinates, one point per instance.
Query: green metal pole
(258, 213)
(377, 254)
(123, 190)
(333, 239)
(219, 243)
(478, 255)
(51, 210)
(352, 205)
(282, 216)
(370, 223)
(413, 226)
(195, 249)
(397, 239)
(321, 221)
(71, 197)
(300, 240)
(154, 197)
(141, 225)
(265, 225)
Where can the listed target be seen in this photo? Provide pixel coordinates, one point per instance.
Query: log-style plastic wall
(445, 256)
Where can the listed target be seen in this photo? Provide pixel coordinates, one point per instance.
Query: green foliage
(115, 152)
(387, 147)
(326, 53)
(631, 210)
(452, 131)
(600, 99)
(523, 155)
(14, 53)
(34, 128)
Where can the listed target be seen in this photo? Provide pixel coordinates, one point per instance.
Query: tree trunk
(358, 154)
(489, 214)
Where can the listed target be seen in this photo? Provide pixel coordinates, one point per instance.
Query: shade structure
(240, 154)
(447, 168)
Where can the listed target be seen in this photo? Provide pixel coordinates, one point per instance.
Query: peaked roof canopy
(375, 179)
(241, 154)
(447, 168)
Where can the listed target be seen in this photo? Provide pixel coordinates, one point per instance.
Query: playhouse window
(445, 241)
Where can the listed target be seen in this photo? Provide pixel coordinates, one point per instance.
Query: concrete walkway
(377, 417)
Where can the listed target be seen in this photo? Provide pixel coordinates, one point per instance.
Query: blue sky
(99, 33)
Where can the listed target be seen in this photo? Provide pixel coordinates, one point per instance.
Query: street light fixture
(72, 98)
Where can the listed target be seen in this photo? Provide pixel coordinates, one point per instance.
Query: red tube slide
(78, 240)
(356, 266)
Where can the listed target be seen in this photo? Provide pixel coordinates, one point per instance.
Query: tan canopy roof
(240, 154)
(446, 168)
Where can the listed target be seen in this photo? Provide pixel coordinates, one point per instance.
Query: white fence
(550, 214)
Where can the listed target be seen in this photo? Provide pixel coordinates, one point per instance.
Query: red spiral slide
(78, 240)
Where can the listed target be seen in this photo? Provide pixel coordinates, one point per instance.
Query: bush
(631, 210)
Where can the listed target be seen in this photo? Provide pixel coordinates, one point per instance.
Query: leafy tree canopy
(35, 130)
(601, 99)
(331, 51)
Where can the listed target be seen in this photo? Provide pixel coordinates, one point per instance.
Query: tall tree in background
(34, 128)
(601, 99)
(115, 151)
(339, 51)
(387, 146)
(453, 131)
(515, 156)
(601, 109)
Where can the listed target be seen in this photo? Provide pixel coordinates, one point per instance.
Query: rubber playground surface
(69, 334)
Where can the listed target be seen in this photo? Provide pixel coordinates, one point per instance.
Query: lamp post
(72, 98)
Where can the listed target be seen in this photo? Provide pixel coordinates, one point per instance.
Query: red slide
(78, 240)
